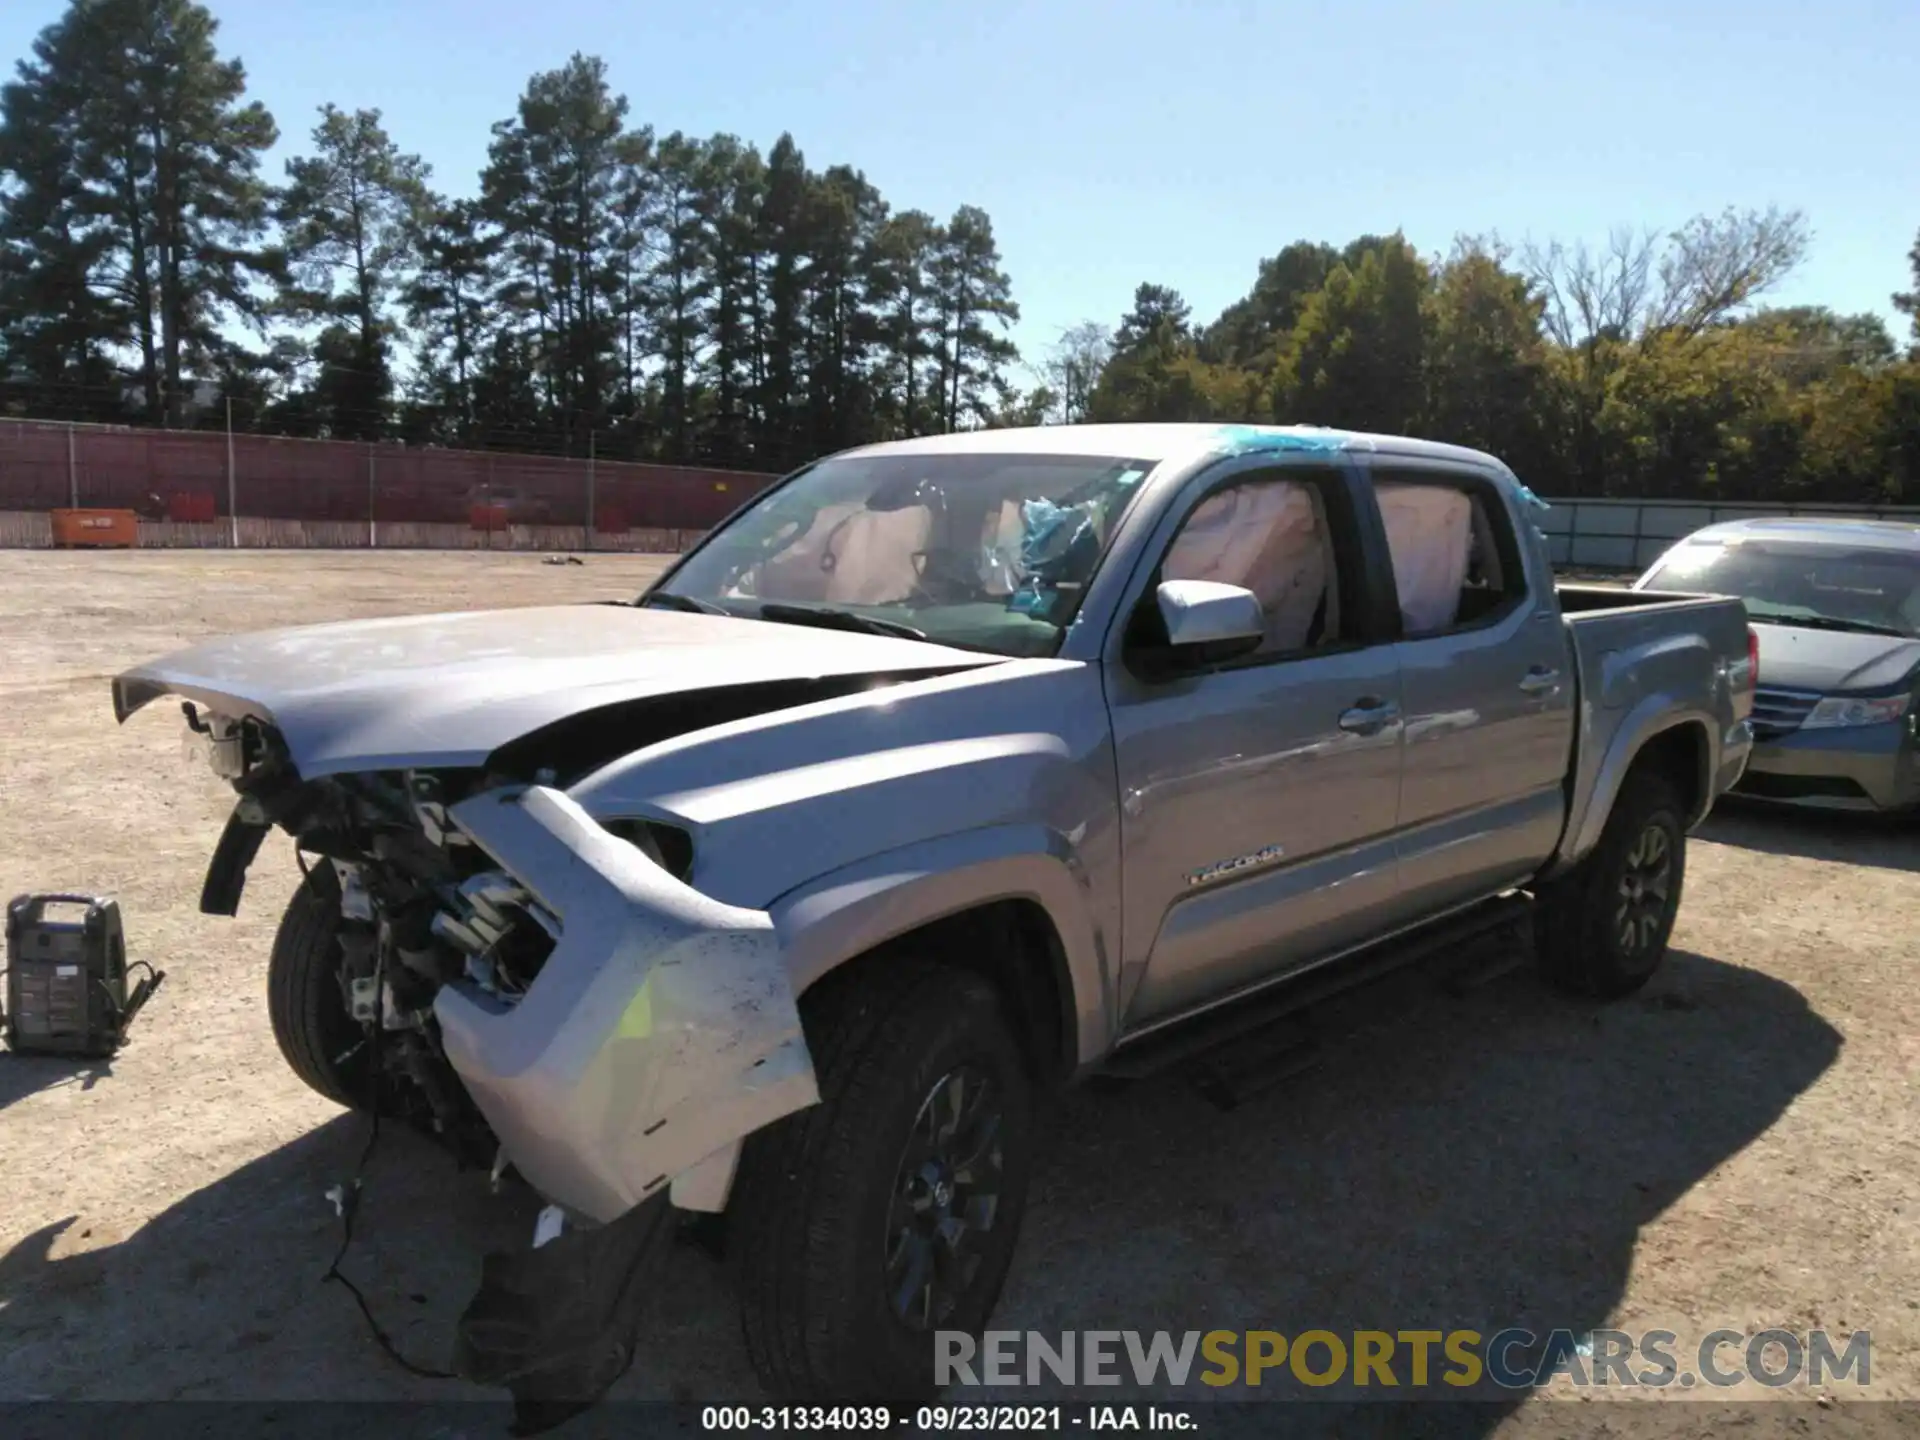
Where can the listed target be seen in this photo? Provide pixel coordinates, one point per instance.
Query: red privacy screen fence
(185, 477)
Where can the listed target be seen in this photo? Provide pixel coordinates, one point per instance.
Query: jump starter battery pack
(67, 978)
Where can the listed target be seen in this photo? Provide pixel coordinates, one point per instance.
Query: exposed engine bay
(669, 1034)
(421, 906)
(508, 933)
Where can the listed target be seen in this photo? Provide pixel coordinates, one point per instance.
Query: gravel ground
(1732, 1148)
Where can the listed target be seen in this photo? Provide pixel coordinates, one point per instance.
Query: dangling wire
(347, 1197)
(306, 870)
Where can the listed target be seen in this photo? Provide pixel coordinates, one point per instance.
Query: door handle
(1539, 680)
(1368, 717)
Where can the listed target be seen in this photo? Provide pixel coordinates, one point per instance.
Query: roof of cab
(1158, 442)
(1817, 530)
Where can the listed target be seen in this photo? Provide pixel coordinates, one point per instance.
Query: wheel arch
(1652, 737)
(1008, 902)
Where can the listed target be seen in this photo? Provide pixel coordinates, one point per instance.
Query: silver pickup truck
(943, 773)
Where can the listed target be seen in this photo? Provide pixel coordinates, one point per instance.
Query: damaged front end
(537, 990)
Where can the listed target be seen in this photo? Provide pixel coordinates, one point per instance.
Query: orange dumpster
(95, 528)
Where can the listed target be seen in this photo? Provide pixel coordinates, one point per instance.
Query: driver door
(1258, 797)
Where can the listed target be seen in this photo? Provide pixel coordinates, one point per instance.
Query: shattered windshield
(1820, 587)
(987, 551)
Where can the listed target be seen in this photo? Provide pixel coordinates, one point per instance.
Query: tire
(1585, 944)
(824, 1193)
(311, 1021)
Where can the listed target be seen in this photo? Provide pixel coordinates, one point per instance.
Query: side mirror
(1210, 621)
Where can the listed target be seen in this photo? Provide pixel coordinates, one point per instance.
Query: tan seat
(874, 555)
(849, 556)
(796, 573)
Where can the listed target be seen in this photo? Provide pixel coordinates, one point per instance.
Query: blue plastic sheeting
(1058, 543)
(1056, 539)
(1246, 440)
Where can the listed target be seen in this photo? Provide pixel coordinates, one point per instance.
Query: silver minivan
(1835, 604)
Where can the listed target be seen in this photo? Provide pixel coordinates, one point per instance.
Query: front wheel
(318, 1037)
(1604, 926)
(888, 1211)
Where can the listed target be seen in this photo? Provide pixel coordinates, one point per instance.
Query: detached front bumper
(661, 1030)
(1862, 767)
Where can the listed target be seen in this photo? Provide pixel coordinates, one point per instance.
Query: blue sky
(1179, 141)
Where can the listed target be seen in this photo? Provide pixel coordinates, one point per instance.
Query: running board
(1461, 953)
(1265, 1060)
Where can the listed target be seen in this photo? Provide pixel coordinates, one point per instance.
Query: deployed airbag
(1267, 538)
(850, 555)
(873, 557)
(803, 570)
(1430, 536)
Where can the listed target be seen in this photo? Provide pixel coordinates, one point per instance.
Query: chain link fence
(209, 487)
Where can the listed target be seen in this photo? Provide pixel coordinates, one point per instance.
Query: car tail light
(1753, 658)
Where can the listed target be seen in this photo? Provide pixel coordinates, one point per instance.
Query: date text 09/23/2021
(938, 1419)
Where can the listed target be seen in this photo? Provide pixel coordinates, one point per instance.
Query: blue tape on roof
(1245, 440)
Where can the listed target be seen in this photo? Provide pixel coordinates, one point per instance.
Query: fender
(833, 918)
(830, 920)
(661, 1029)
(1652, 717)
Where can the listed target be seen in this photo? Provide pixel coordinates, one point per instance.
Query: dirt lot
(1733, 1148)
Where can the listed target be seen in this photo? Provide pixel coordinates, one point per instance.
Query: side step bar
(1461, 953)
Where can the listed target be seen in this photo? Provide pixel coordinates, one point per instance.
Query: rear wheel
(889, 1211)
(311, 1022)
(1604, 926)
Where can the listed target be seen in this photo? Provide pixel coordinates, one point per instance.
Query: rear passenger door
(1487, 700)
(1257, 795)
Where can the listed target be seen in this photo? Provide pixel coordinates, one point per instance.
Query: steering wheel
(944, 578)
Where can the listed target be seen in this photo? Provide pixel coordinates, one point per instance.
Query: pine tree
(681, 287)
(632, 240)
(843, 214)
(160, 185)
(732, 191)
(352, 215)
(975, 300)
(550, 185)
(781, 243)
(903, 296)
(446, 298)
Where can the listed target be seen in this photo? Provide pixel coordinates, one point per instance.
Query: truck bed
(1646, 658)
(1579, 599)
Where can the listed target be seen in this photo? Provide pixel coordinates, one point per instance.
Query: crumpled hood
(448, 690)
(1830, 660)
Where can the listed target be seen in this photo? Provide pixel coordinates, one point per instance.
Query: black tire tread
(301, 976)
(1574, 915)
(861, 1028)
